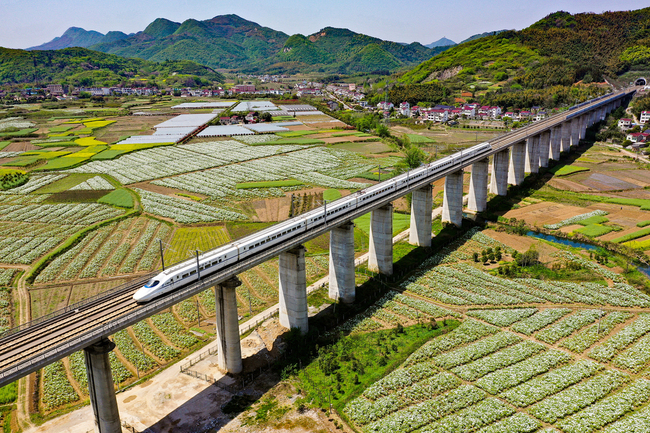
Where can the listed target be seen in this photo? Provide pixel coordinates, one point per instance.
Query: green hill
(80, 66)
(231, 42)
(560, 49)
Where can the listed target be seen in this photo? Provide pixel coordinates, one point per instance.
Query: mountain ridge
(232, 42)
(79, 37)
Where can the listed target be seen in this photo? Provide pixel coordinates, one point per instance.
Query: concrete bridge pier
(516, 168)
(575, 132)
(590, 119)
(477, 200)
(421, 207)
(341, 278)
(556, 138)
(101, 387)
(452, 203)
(380, 257)
(293, 289)
(584, 119)
(544, 148)
(532, 154)
(499, 179)
(228, 343)
(565, 140)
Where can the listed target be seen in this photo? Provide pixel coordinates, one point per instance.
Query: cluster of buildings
(444, 113)
(343, 91)
(266, 78)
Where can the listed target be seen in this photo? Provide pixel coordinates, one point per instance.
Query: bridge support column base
(342, 279)
(544, 148)
(499, 180)
(477, 200)
(452, 202)
(381, 240)
(228, 343)
(293, 290)
(421, 207)
(532, 154)
(556, 141)
(101, 387)
(516, 169)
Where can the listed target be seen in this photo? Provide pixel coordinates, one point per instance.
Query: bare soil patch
(523, 243)
(20, 147)
(568, 185)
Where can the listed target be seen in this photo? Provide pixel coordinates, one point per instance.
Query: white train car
(189, 271)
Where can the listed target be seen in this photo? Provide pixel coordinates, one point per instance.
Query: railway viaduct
(88, 325)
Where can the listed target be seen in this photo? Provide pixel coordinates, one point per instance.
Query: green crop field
(631, 236)
(63, 163)
(400, 223)
(187, 239)
(419, 139)
(331, 194)
(594, 230)
(294, 134)
(108, 154)
(567, 169)
(120, 198)
(596, 219)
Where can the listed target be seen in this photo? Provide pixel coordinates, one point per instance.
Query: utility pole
(198, 269)
(250, 302)
(379, 172)
(162, 257)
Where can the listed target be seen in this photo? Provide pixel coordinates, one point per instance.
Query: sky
(27, 23)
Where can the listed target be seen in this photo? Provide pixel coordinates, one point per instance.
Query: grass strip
(631, 236)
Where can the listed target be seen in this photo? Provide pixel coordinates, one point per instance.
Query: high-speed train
(191, 270)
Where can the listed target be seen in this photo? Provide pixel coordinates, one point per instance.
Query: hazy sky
(28, 23)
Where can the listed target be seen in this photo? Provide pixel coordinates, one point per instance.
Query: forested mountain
(539, 65)
(560, 49)
(77, 37)
(231, 42)
(80, 66)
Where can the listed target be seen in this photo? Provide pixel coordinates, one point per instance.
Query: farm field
(528, 355)
(520, 353)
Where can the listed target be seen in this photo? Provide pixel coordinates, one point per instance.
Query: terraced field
(530, 355)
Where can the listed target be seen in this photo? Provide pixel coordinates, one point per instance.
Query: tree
(382, 130)
(529, 258)
(475, 255)
(414, 156)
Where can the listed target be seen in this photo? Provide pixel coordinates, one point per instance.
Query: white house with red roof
(405, 109)
(645, 117)
(625, 123)
(638, 137)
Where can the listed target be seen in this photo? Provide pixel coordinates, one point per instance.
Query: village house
(645, 116)
(405, 109)
(625, 123)
(638, 137)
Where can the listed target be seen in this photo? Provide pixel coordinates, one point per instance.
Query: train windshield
(152, 283)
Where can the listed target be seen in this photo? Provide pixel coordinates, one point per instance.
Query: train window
(151, 284)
